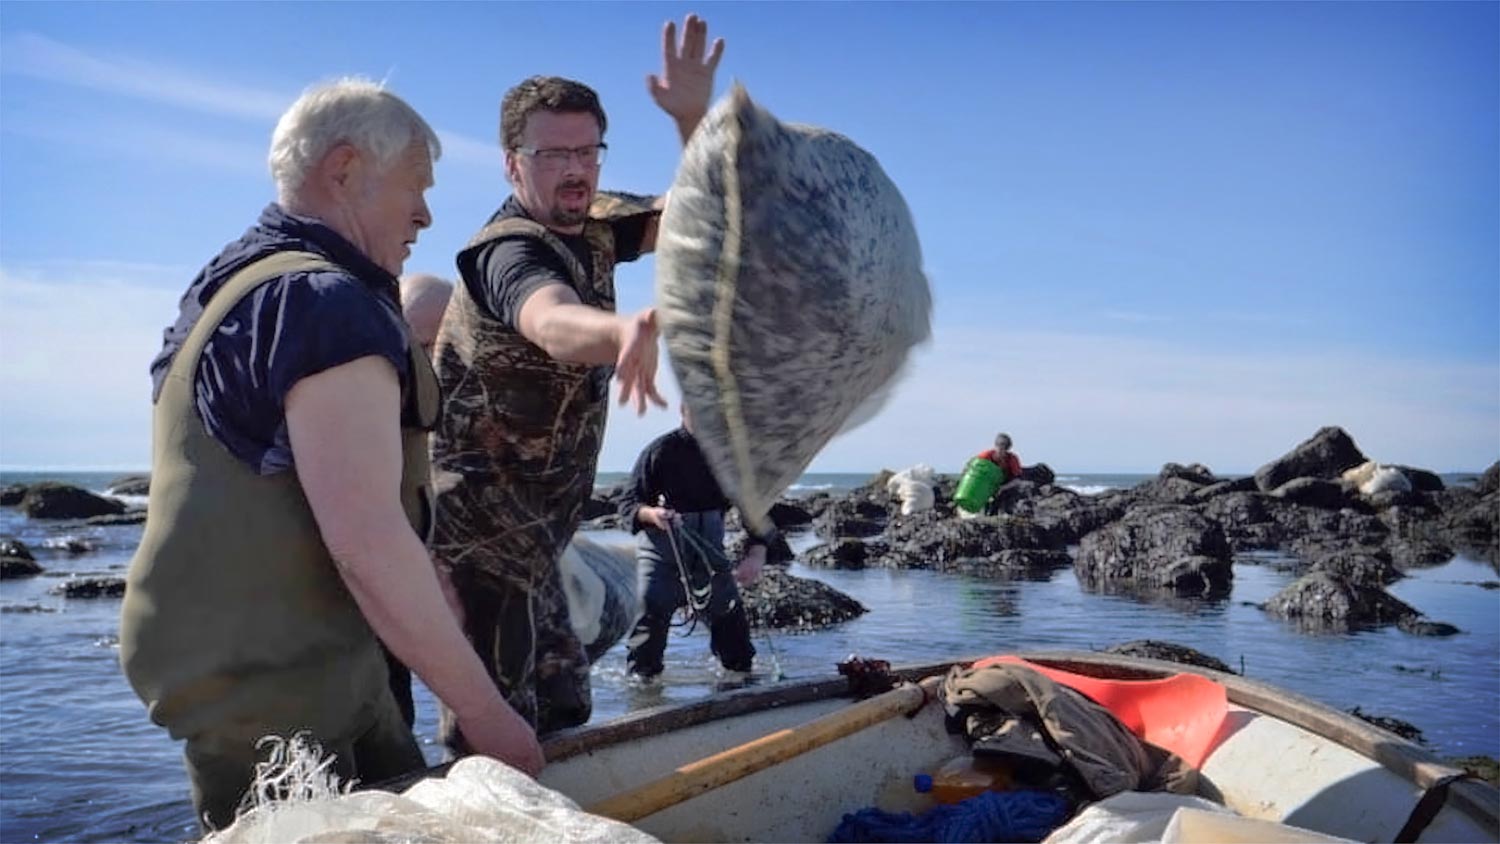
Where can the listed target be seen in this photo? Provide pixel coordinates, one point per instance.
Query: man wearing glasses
(524, 356)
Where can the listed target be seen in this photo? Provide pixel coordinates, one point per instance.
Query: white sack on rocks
(1371, 477)
(913, 487)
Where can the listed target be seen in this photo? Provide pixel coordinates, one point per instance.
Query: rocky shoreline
(1175, 535)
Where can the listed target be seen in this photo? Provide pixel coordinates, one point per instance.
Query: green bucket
(979, 481)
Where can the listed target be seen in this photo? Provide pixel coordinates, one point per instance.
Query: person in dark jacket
(671, 492)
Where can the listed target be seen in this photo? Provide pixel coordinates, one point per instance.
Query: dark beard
(561, 217)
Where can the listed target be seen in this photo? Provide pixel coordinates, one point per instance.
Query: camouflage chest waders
(514, 458)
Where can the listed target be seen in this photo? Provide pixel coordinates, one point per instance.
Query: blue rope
(989, 816)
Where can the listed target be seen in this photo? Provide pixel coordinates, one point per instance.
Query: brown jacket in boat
(1014, 710)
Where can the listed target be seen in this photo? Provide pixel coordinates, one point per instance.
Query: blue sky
(1155, 231)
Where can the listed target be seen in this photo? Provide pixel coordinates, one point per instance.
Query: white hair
(346, 111)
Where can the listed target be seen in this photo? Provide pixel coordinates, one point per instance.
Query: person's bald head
(423, 299)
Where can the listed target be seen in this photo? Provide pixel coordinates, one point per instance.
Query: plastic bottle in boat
(963, 777)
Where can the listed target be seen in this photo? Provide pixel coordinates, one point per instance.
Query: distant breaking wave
(1086, 489)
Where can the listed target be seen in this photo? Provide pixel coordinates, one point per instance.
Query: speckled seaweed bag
(789, 289)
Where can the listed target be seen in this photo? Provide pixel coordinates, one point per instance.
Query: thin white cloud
(470, 151)
(39, 57)
(157, 143)
(1133, 316)
(77, 341)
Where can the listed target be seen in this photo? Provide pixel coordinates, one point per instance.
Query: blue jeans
(662, 594)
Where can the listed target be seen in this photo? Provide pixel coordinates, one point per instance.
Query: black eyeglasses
(555, 158)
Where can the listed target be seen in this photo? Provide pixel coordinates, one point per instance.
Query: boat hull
(1280, 757)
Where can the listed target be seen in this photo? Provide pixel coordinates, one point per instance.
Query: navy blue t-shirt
(284, 330)
(512, 268)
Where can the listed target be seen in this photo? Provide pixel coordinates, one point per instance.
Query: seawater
(79, 761)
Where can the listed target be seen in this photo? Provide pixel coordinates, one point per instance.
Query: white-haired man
(288, 506)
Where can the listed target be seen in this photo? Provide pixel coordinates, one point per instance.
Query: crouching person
(288, 503)
(673, 502)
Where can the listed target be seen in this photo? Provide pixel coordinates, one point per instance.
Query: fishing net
(479, 800)
(789, 290)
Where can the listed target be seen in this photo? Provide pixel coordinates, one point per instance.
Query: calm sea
(80, 762)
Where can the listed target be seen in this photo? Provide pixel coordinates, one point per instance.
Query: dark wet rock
(1365, 566)
(1168, 490)
(1321, 598)
(790, 515)
(26, 608)
(852, 517)
(1195, 472)
(875, 487)
(1247, 519)
(780, 601)
(928, 540)
(1312, 526)
(1067, 517)
(129, 517)
(91, 587)
(1238, 509)
(816, 502)
(1422, 480)
(1165, 546)
(604, 502)
(129, 485)
(606, 522)
(778, 553)
(16, 567)
(1472, 521)
(1013, 496)
(11, 494)
(1013, 563)
(1404, 729)
(841, 554)
(1419, 626)
(12, 547)
(1313, 492)
(1170, 652)
(1391, 498)
(1419, 552)
(1214, 490)
(1040, 474)
(71, 545)
(1327, 455)
(1263, 537)
(1489, 482)
(49, 500)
